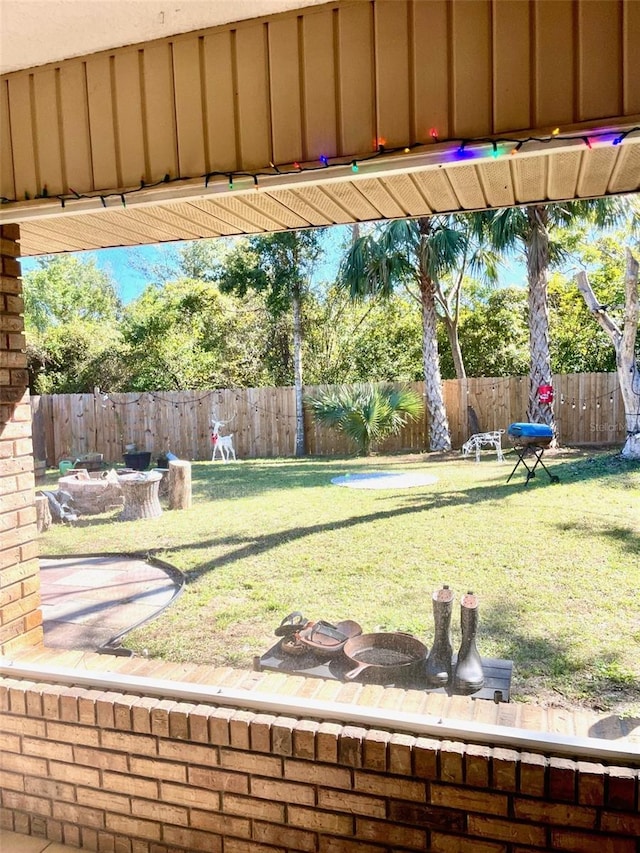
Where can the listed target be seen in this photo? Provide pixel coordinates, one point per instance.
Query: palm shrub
(366, 413)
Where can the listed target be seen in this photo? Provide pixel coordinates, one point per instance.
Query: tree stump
(140, 492)
(43, 513)
(179, 484)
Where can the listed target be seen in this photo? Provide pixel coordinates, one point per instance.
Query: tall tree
(421, 255)
(279, 266)
(624, 339)
(71, 315)
(529, 230)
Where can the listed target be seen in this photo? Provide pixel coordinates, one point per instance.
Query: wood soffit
(397, 187)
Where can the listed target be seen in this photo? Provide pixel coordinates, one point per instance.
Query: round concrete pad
(88, 601)
(385, 480)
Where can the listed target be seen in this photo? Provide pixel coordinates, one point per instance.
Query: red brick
(400, 836)
(504, 764)
(250, 807)
(160, 717)
(441, 843)
(297, 839)
(156, 769)
(78, 815)
(350, 746)
(282, 735)
(219, 726)
(179, 721)
(533, 769)
(47, 749)
(400, 754)
(199, 723)
(260, 732)
(79, 735)
(591, 782)
(465, 798)
(222, 823)
(197, 753)
(584, 842)
(555, 813)
(452, 761)
(125, 784)
(496, 829)
(157, 810)
(358, 804)
(387, 786)
(625, 824)
(218, 780)
(132, 743)
(317, 774)
(239, 736)
(304, 739)
(562, 780)
(342, 845)
(24, 764)
(425, 758)
(141, 714)
(75, 774)
(621, 788)
(320, 821)
(248, 762)
(193, 840)
(477, 761)
(114, 761)
(188, 796)
(99, 799)
(133, 826)
(287, 792)
(14, 782)
(375, 751)
(327, 742)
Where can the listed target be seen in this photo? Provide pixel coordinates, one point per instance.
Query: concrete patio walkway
(89, 602)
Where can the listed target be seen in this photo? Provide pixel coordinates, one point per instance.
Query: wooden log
(43, 513)
(179, 484)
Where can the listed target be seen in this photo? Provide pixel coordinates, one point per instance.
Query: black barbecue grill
(530, 442)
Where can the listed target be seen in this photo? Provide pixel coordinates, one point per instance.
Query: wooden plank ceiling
(488, 183)
(330, 81)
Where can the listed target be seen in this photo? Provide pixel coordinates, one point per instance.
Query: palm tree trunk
(537, 252)
(297, 369)
(438, 424)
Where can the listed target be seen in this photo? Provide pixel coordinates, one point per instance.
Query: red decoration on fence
(545, 393)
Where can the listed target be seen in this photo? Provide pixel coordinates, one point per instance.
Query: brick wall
(134, 774)
(20, 618)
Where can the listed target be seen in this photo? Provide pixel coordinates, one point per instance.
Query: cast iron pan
(383, 652)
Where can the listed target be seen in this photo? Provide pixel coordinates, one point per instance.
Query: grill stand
(535, 450)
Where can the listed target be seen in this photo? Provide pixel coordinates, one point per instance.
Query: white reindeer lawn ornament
(221, 443)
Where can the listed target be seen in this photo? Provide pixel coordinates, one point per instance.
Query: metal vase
(439, 661)
(468, 674)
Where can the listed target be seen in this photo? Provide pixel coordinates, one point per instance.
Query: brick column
(20, 617)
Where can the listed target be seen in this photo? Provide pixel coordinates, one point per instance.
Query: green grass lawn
(556, 567)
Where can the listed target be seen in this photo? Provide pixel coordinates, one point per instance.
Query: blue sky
(126, 265)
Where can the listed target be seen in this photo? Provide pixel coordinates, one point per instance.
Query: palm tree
(366, 413)
(530, 230)
(419, 255)
(280, 266)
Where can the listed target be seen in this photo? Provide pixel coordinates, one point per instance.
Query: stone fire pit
(93, 493)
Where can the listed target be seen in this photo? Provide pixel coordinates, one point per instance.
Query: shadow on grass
(628, 537)
(555, 669)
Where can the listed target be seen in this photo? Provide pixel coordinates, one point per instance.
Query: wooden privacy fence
(588, 409)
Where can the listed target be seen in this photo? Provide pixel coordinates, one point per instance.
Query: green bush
(366, 413)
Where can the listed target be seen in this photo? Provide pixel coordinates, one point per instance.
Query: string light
(462, 151)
